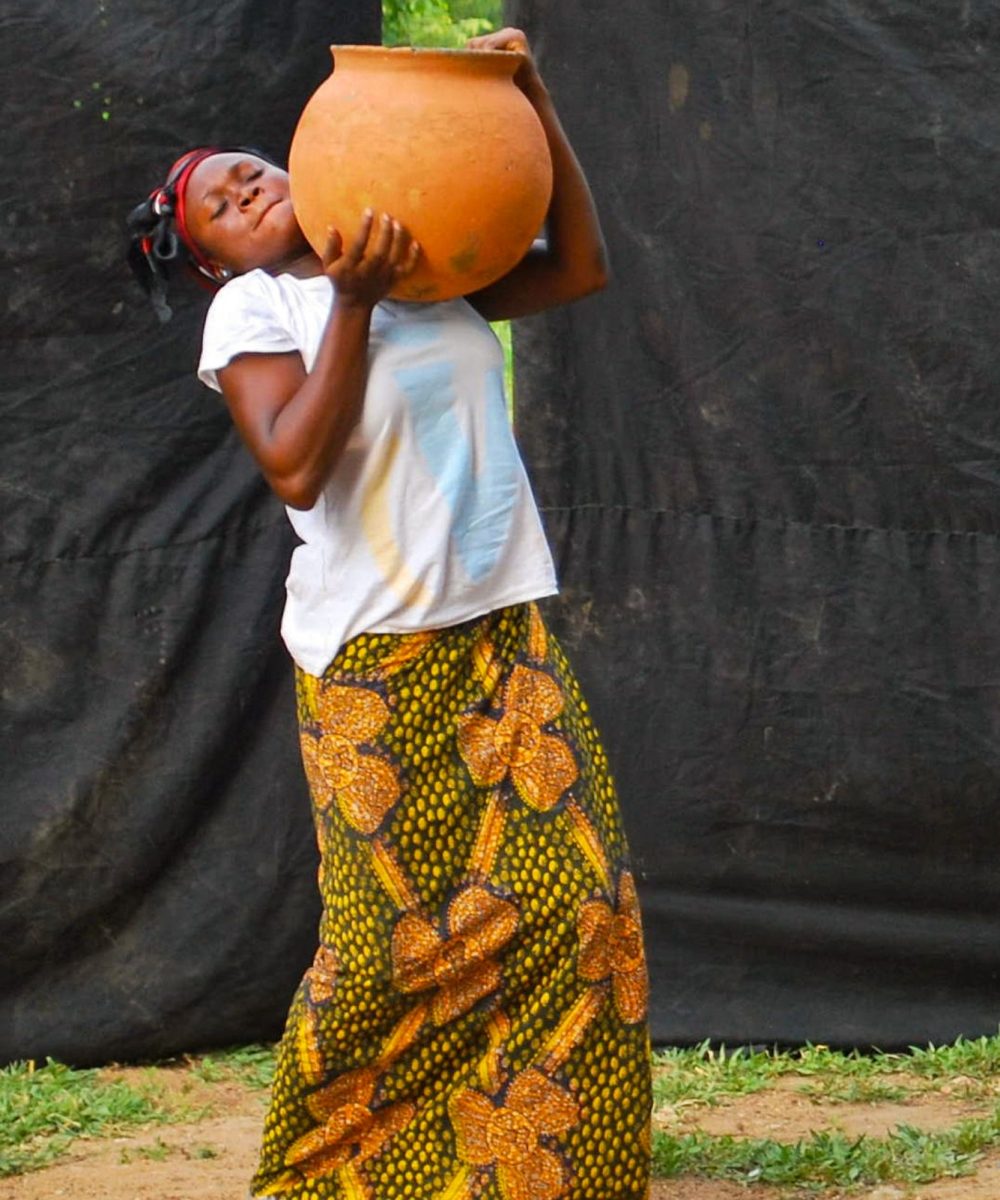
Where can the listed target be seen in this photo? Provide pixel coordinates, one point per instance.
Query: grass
(703, 1075)
(706, 1076)
(43, 1109)
(829, 1160)
(252, 1066)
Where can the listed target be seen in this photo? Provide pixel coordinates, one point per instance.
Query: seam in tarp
(820, 527)
(252, 531)
(678, 514)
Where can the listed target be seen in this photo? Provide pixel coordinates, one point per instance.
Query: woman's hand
(526, 76)
(382, 253)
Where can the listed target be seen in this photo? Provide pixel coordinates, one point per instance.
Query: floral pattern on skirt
(473, 1026)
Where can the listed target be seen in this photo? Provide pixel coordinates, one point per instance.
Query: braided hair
(160, 242)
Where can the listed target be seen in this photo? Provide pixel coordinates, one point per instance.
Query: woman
(473, 1024)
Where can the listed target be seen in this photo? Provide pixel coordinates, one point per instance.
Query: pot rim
(488, 60)
(369, 48)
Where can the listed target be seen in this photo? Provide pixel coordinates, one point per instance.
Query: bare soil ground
(212, 1158)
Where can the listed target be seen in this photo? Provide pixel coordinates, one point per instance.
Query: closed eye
(219, 211)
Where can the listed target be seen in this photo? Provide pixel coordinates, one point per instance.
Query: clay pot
(445, 141)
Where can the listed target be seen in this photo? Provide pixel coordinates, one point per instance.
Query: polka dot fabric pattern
(473, 1026)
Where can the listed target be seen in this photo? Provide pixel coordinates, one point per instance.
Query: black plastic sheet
(769, 457)
(157, 864)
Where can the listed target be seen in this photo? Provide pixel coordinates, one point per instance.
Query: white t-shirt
(427, 519)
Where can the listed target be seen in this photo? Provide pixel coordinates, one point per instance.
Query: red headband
(172, 197)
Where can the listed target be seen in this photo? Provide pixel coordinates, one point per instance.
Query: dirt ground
(213, 1158)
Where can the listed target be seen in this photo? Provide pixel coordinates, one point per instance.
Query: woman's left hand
(510, 39)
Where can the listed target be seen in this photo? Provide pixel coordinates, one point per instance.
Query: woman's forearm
(572, 262)
(296, 424)
(575, 243)
(309, 433)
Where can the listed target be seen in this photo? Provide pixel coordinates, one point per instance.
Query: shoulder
(261, 302)
(251, 314)
(254, 290)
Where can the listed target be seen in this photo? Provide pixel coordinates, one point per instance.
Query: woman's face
(238, 210)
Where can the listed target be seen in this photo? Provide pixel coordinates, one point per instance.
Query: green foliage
(448, 23)
(503, 331)
(43, 1109)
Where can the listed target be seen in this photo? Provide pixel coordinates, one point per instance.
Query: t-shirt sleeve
(242, 319)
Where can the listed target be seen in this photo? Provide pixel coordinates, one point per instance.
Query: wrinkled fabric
(768, 457)
(157, 865)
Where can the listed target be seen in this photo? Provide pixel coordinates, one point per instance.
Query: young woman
(474, 1021)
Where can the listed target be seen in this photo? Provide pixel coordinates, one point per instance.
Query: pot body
(444, 141)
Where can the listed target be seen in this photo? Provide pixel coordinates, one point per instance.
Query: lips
(266, 210)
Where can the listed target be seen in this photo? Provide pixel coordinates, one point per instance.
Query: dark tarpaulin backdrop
(157, 864)
(768, 459)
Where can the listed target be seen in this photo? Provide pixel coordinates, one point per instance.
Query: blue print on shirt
(482, 501)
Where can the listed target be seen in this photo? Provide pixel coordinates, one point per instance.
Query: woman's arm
(295, 423)
(573, 260)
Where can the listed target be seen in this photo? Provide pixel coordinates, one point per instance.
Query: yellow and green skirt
(473, 1026)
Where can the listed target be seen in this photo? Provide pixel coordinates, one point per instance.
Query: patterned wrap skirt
(474, 1022)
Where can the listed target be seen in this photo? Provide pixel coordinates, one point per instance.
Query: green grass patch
(252, 1066)
(705, 1074)
(975, 1058)
(44, 1109)
(827, 1160)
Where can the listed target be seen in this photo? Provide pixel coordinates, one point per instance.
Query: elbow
(594, 278)
(298, 480)
(300, 501)
(597, 282)
(298, 492)
(586, 283)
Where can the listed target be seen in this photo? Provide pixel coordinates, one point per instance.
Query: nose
(249, 194)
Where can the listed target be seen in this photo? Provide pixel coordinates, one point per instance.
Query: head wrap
(160, 237)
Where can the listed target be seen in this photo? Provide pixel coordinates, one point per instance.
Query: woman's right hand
(382, 253)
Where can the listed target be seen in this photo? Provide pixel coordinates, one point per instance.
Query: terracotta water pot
(445, 141)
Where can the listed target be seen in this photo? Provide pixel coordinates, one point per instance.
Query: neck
(303, 265)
